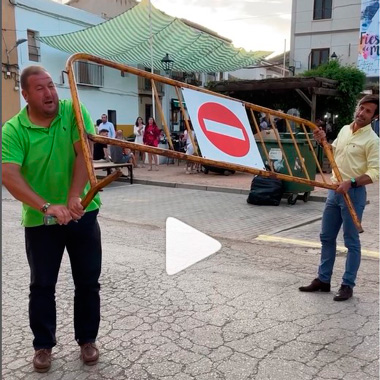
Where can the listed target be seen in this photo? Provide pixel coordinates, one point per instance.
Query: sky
(250, 24)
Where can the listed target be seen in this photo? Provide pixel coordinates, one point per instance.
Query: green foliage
(350, 84)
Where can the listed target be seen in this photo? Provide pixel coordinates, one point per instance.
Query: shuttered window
(33, 46)
(89, 74)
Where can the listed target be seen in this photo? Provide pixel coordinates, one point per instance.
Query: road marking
(312, 244)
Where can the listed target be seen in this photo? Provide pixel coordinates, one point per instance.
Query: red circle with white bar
(223, 129)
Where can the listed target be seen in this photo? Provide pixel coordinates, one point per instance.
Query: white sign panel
(222, 129)
(275, 154)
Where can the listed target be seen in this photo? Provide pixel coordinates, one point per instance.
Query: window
(319, 56)
(322, 9)
(89, 74)
(33, 46)
(147, 85)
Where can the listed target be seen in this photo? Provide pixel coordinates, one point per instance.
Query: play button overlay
(185, 246)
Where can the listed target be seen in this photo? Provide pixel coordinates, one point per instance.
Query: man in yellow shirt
(356, 152)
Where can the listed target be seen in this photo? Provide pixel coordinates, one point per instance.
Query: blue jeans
(44, 248)
(335, 214)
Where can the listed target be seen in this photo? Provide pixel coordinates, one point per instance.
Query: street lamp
(167, 63)
(334, 56)
(8, 52)
(18, 42)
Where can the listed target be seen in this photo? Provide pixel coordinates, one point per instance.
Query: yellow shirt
(356, 153)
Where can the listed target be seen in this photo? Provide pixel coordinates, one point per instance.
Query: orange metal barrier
(302, 124)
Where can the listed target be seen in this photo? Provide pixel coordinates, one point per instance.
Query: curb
(190, 186)
(231, 190)
(313, 198)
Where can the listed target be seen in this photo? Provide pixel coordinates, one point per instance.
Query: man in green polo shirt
(44, 168)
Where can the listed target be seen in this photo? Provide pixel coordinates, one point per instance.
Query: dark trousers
(44, 248)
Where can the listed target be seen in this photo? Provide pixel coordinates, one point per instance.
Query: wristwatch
(354, 184)
(44, 208)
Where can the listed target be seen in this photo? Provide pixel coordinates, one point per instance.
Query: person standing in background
(107, 125)
(151, 138)
(190, 166)
(139, 129)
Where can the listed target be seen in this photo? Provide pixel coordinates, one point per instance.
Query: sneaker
(42, 360)
(315, 286)
(89, 353)
(344, 293)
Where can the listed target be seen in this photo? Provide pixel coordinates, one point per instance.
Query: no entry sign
(222, 129)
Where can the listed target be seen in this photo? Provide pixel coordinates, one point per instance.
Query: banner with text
(368, 59)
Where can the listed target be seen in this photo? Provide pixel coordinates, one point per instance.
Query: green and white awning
(126, 39)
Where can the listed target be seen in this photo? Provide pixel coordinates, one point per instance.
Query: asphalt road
(236, 315)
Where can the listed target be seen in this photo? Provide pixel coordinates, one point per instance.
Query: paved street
(236, 315)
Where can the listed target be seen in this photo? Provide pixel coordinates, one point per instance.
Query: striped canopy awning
(126, 39)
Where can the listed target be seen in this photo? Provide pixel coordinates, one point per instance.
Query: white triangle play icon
(186, 246)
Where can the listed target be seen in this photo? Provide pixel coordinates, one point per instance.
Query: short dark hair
(374, 99)
(29, 71)
(98, 122)
(103, 130)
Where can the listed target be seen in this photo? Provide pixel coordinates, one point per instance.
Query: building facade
(101, 89)
(266, 69)
(105, 9)
(10, 100)
(331, 29)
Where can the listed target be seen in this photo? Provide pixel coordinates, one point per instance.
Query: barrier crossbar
(291, 123)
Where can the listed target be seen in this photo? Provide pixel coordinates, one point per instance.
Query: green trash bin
(293, 189)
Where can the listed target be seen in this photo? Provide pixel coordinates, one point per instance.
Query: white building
(265, 69)
(101, 89)
(105, 9)
(322, 29)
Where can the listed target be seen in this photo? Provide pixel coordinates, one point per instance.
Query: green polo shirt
(46, 156)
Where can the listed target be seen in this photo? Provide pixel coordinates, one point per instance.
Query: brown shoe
(315, 286)
(42, 360)
(89, 353)
(344, 293)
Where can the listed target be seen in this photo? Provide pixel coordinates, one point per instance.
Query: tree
(350, 84)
